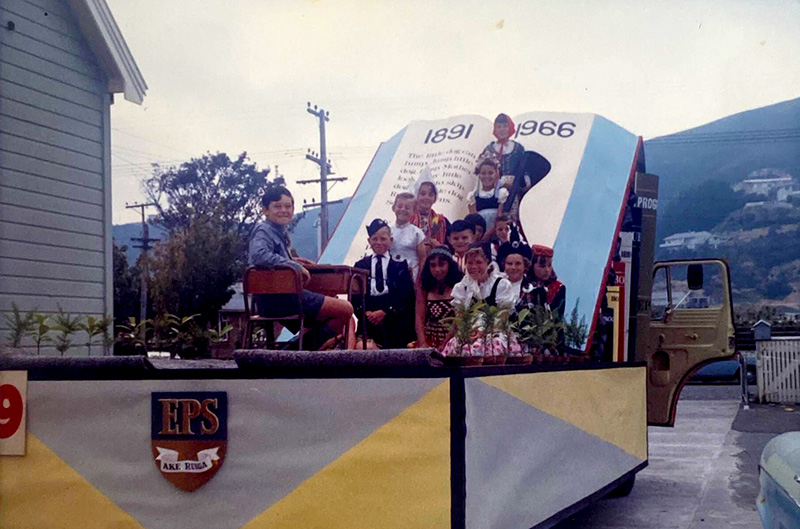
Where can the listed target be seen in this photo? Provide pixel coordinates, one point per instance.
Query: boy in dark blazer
(390, 296)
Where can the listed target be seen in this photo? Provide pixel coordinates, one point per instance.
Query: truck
(384, 438)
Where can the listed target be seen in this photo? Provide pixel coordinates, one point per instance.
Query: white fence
(778, 367)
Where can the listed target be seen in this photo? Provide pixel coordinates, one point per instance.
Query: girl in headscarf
(507, 150)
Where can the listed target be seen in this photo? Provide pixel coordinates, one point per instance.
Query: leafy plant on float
(19, 324)
(66, 325)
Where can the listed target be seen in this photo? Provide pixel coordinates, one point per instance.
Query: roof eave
(106, 41)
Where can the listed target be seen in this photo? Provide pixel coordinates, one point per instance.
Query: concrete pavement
(702, 474)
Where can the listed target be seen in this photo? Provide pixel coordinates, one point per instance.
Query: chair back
(282, 280)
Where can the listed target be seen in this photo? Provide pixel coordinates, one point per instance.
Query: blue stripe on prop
(353, 218)
(590, 220)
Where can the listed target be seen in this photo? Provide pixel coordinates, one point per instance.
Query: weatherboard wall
(55, 192)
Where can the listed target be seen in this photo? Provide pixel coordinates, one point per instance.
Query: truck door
(691, 325)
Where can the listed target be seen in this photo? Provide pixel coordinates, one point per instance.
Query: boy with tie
(390, 297)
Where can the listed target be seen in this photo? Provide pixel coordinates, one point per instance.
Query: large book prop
(576, 208)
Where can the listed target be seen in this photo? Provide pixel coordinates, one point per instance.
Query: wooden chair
(281, 280)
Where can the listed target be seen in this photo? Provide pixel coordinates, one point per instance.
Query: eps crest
(189, 435)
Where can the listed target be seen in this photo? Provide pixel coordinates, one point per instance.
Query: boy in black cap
(390, 296)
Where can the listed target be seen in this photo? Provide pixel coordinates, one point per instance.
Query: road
(702, 474)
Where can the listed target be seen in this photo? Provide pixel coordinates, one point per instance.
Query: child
(433, 225)
(488, 199)
(548, 290)
(503, 229)
(480, 225)
(483, 282)
(409, 241)
(438, 276)
(270, 247)
(460, 238)
(389, 300)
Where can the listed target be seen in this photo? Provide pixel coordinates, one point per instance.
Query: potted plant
(220, 346)
(67, 326)
(129, 341)
(464, 349)
(493, 323)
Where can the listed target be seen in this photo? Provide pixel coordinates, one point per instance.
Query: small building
(763, 183)
(691, 240)
(61, 62)
(762, 330)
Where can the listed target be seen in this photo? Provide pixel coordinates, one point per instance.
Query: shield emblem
(189, 435)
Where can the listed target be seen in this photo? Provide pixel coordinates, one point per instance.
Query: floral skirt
(499, 345)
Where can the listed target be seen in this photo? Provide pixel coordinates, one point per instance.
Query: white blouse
(468, 289)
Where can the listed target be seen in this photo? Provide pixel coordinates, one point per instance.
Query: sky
(236, 75)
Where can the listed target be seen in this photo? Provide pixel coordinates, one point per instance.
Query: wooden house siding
(55, 176)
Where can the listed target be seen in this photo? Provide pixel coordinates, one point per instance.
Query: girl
(483, 282)
(514, 259)
(439, 275)
(433, 225)
(548, 290)
(488, 200)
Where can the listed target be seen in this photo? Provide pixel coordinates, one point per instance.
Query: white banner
(170, 463)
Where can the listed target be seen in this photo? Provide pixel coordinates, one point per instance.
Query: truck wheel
(623, 489)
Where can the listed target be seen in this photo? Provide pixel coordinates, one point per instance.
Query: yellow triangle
(40, 489)
(397, 477)
(608, 403)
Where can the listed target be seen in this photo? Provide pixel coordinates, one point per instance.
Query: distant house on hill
(690, 240)
(61, 62)
(766, 181)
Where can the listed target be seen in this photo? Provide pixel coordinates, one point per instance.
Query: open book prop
(575, 207)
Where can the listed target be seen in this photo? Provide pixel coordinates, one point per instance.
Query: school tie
(379, 274)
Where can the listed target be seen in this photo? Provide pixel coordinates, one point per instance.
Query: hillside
(728, 149)
(702, 193)
(124, 233)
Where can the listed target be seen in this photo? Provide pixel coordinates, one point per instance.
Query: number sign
(13, 391)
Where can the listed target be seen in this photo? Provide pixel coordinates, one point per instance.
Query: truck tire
(624, 488)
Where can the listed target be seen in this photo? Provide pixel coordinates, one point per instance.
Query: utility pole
(145, 246)
(321, 159)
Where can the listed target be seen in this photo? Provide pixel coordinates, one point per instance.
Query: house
(61, 62)
(765, 181)
(691, 240)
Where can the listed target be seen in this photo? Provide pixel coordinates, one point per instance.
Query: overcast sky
(235, 75)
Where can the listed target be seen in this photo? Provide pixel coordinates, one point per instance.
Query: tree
(212, 186)
(127, 286)
(192, 271)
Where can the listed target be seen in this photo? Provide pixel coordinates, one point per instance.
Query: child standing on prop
(409, 240)
(483, 282)
(390, 298)
(433, 225)
(548, 290)
(438, 276)
(509, 152)
(488, 198)
(460, 239)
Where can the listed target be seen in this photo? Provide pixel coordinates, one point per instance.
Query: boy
(480, 225)
(270, 248)
(502, 231)
(389, 301)
(460, 238)
(409, 241)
